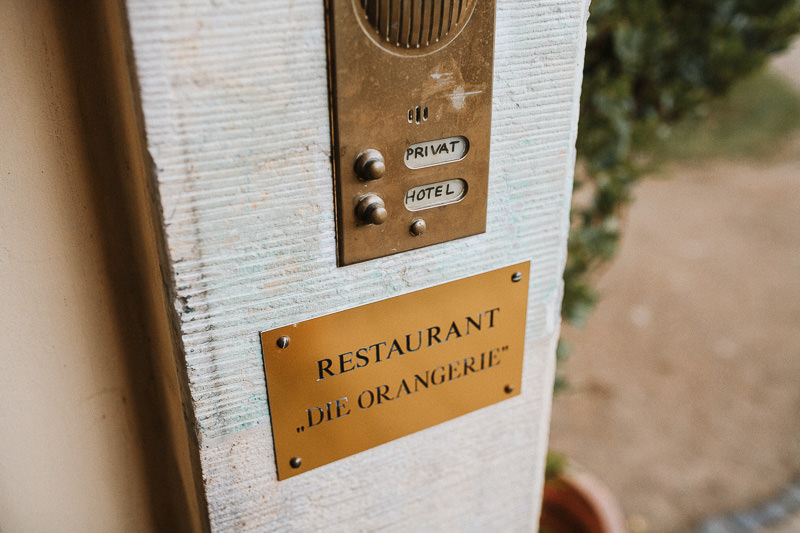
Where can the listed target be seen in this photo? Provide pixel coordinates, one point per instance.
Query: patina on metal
(365, 376)
(411, 95)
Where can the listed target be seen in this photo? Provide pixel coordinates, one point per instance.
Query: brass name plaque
(347, 382)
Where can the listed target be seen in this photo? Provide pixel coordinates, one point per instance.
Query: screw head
(508, 389)
(295, 462)
(418, 227)
(283, 342)
(516, 276)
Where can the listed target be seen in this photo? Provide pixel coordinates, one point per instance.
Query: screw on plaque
(418, 227)
(516, 276)
(509, 389)
(283, 342)
(295, 462)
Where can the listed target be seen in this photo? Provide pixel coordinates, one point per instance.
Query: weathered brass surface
(409, 75)
(347, 382)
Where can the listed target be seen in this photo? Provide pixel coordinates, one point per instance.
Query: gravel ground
(685, 382)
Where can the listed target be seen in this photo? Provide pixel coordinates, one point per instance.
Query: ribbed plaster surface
(235, 104)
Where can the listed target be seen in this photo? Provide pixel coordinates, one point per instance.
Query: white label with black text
(435, 194)
(438, 152)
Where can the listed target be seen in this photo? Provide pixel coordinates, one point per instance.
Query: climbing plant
(648, 64)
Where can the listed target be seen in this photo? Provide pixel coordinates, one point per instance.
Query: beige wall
(91, 432)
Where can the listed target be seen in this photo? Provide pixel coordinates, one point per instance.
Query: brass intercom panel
(411, 97)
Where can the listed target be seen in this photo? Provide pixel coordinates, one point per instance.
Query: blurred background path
(684, 385)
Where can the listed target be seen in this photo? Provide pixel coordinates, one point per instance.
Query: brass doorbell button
(371, 210)
(370, 165)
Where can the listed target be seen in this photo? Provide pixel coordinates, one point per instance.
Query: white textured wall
(236, 114)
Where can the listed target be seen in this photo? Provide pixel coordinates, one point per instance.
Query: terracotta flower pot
(577, 502)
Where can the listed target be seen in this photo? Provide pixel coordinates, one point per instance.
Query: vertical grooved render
(235, 109)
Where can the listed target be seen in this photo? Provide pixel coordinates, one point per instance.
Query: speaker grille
(416, 24)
